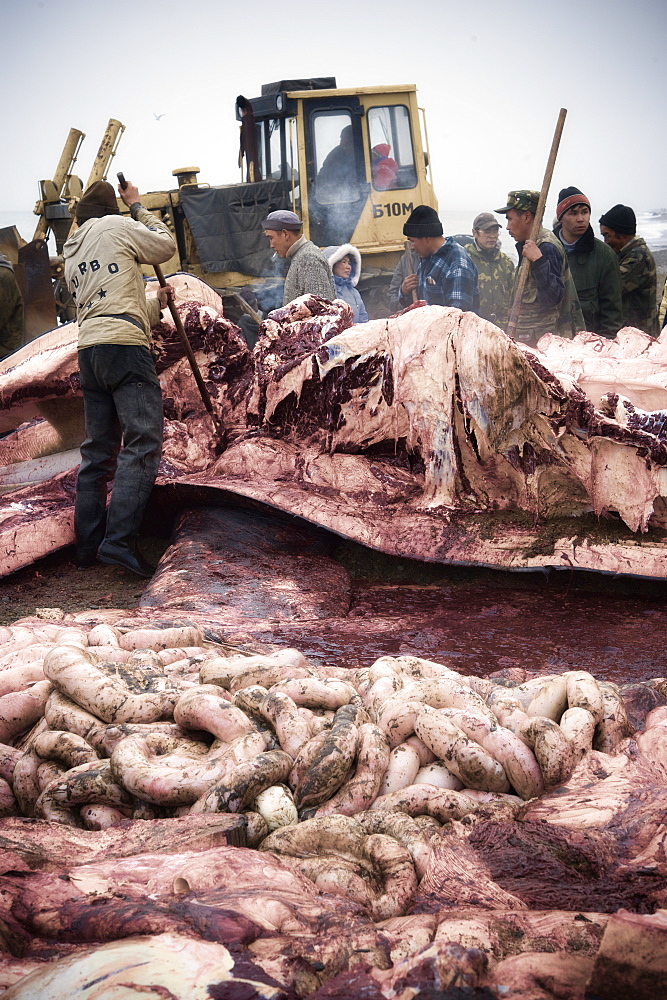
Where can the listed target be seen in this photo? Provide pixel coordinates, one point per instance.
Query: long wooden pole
(203, 391)
(186, 344)
(411, 266)
(524, 266)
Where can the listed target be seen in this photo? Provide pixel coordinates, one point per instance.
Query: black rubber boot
(119, 548)
(115, 555)
(90, 517)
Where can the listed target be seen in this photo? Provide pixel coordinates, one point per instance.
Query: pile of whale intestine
(343, 741)
(419, 793)
(359, 781)
(390, 791)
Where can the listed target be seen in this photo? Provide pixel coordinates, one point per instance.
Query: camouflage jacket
(495, 276)
(549, 303)
(639, 291)
(11, 312)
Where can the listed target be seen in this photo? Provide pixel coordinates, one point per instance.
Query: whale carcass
(457, 835)
(430, 434)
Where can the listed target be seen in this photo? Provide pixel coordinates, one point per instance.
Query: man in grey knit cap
(309, 270)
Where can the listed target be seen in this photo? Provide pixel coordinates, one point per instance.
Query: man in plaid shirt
(446, 275)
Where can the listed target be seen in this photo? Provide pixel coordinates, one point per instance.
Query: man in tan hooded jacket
(121, 391)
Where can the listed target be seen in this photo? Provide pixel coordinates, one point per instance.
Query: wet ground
(56, 582)
(477, 620)
(478, 627)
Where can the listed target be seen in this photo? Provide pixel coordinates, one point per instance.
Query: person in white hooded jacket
(121, 391)
(345, 263)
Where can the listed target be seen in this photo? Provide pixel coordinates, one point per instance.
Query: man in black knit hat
(594, 265)
(638, 278)
(446, 276)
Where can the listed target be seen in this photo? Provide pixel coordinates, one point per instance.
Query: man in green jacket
(638, 278)
(594, 265)
(495, 270)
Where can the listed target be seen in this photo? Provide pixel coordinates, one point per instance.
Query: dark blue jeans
(123, 413)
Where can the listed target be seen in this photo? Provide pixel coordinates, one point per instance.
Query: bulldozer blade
(33, 274)
(10, 243)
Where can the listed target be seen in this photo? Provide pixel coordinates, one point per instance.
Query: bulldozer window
(391, 151)
(281, 152)
(275, 149)
(260, 128)
(335, 158)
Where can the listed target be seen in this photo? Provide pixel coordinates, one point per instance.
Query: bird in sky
(157, 117)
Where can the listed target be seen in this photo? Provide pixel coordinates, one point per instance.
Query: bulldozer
(39, 276)
(352, 163)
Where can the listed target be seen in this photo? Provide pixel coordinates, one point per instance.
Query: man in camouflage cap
(495, 270)
(549, 302)
(638, 275)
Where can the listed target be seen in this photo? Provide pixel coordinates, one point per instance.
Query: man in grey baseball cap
(309, 270)
(485, 222)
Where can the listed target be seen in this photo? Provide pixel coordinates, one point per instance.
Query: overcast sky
(491, 76)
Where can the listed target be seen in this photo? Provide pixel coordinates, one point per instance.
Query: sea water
(651, 225)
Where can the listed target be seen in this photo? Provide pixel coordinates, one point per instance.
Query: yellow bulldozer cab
(352, 163)
(363, 157)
